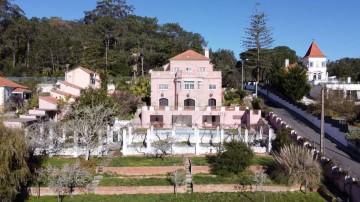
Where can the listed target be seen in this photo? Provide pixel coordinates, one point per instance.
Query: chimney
(206, 52)
(287, 62)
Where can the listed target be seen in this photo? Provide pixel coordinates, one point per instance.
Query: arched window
(163, 102)
(212, 102)
(189, 103)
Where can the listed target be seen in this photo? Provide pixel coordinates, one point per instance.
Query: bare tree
(89, 123)
(178, 178)
(300, 165)
(163, 147)
(43, 136)
(63, 181)
(259, 179)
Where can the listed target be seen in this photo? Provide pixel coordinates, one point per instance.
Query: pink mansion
(188, 92)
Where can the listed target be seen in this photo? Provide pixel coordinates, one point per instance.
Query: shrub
(282, 139)
(236, 157)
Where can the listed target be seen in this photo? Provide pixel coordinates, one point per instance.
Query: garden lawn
(60, 162)
(196, 197)
(113, 182)
(145, 161)
(257, 160)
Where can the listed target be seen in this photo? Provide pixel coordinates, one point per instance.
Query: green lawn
(209, 179)
(171, 161)
(262, 160)
(196, 197)
(257, 160)
(145, 161)
(59, 162)
(134, 182)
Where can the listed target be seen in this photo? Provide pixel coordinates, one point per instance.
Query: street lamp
(242, 73)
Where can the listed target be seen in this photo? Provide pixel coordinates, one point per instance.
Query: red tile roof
(21, 90)
(8, 83)
(70, 84)
(189, 55)
(87, 70)
(63, 93)
(49, 99)
(314, 51)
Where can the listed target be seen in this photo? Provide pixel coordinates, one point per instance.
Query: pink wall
(69, 89)
(81, 78)
(201, 93)
(230, 117)
(43, 104)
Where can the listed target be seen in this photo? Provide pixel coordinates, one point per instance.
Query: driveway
(333, 150)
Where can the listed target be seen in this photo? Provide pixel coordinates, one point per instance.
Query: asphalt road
(338, 154)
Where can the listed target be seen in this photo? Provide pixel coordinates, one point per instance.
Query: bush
(235, 159)
(282, 139)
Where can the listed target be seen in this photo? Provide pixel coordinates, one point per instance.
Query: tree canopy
(107, 38)
(14, 170)
(258, 38)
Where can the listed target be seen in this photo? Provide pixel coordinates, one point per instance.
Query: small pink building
(76, 81)
(188, 92)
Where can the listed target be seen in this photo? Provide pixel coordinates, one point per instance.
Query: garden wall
(46, 191)
(208, 188)
(332, 127)
(340, 179)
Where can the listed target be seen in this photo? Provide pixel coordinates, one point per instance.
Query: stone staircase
(188, 176)
(99, 170)
(92, 186)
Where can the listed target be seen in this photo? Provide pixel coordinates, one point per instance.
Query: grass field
(59, 162)
(145, 161)
(177, 161)
(196, 197)
(135, 182)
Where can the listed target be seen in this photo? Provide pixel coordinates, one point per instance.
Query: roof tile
(314, 51)
(189, 55)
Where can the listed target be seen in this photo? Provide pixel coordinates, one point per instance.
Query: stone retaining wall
(236, 187)
(46, 191)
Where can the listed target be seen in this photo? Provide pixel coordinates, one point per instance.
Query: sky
(333, 25)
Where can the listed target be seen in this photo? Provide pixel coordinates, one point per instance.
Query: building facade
(188, 92)
(315, 62)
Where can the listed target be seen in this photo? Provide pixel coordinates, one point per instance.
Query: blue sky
(334, 25)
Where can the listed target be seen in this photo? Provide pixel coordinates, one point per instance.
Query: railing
(195, 108)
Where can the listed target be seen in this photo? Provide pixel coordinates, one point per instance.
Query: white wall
(333, 132)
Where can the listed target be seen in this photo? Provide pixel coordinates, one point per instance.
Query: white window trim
(212, 85)
(163, 86)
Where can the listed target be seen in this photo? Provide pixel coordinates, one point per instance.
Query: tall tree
(14, 171)
(295, 84)
(258, 38)
(225, 61)
(108, 8)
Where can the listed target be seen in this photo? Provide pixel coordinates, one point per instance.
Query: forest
(116, 42)
(110, 38)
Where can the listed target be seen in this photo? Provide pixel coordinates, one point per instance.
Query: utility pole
(242, 73)
(322, 135)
